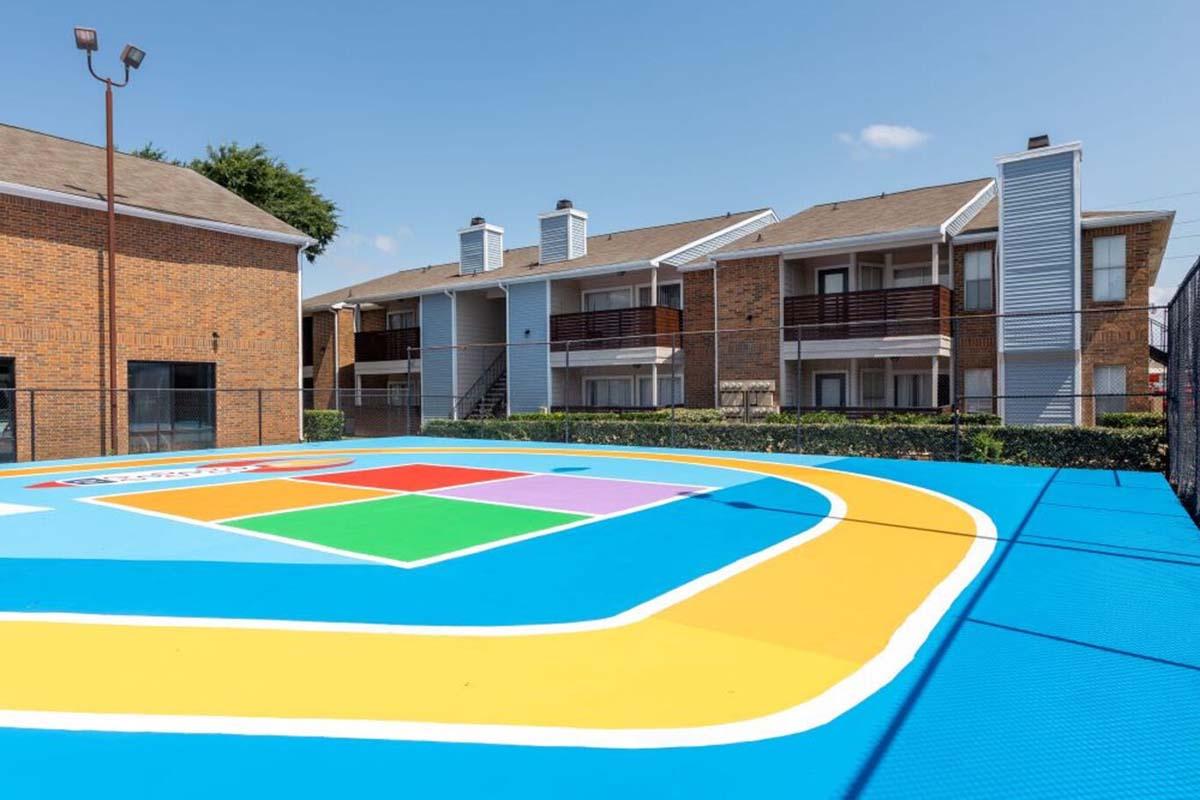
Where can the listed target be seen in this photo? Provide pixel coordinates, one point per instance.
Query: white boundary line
(849, 692)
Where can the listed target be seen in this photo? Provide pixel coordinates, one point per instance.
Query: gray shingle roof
(42, 161)
(619, 247)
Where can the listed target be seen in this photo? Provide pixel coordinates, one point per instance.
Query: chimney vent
(480, 247)
(1039, 141)
(564, 233)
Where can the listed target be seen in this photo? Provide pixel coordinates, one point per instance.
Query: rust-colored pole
(112, 265)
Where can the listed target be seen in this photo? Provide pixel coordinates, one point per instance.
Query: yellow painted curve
(778, 634)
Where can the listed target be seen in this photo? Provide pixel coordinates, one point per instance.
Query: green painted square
(405, 528)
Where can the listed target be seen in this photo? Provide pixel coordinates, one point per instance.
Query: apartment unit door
(8, 410)
(173, 406)
(830, 389)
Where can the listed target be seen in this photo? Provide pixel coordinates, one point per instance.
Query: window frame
(626, 379)
(1108, 269)
(1117, 398)
(973, 404)
(387, 320)
(980, 303)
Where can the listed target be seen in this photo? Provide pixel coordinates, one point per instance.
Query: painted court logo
(202, 471)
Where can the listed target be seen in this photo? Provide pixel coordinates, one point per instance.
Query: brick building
(997, 294)
(207, 294)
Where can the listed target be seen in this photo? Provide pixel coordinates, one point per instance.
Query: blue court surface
(431, 617)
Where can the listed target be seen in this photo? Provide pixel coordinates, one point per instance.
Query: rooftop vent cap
(563, 205)
(477, 221)
(1039, 141)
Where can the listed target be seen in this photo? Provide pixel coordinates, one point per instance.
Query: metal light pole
(131, 58)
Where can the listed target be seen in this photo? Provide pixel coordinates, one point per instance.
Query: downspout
(507, 352)
(453, 355)
(300, 336)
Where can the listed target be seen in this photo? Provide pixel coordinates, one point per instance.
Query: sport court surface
(437, 617)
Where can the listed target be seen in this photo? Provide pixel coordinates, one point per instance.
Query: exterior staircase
(494, 400)
(488, 396)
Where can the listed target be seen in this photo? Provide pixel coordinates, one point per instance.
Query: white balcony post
(933, 264)
(654, 288)
(933, 386)
(852, 384)
(889, 385)
(654, 384)
(852, 279)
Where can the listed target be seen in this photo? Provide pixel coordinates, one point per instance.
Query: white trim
(63, 198)
(971, 238)
(508, 351)
(563, 212)
(729, 229)
(1077, 233)
(398, 366)
(484, 226)
(549, 351)
(990, 187)
(870, 241)
(612, 357)
(1116, 220)
(305, 372)
(453, 354)
(1025, 155)
(870, 347)
(1001, 366)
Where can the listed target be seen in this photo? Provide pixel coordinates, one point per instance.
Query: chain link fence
(1183, 382)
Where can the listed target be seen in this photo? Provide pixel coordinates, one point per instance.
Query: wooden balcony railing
(911, 311)
(646, 326)
(393, 345)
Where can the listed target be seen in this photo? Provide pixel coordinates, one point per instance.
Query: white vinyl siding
(1109, 380)
(977, 389)
(977, 280)
(1108, 268)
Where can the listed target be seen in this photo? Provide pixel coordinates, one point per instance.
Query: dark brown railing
(911, 311)
(393, 345)
(646, 326)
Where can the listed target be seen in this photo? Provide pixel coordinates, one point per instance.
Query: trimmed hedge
(323, 425)
(1106, 448)
(1131, 419)
(662, 415)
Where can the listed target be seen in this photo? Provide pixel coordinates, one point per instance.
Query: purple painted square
(567, 493)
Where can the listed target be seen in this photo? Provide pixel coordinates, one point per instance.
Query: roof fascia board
(671, 253)
(1124, 219)
(990, 188)
(909, 236)
(1024, 155)
(63, 198)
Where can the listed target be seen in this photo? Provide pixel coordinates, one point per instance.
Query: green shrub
(661, 415)
(1131, 419)
(1107, 448)
(986, 448)
(323, 425)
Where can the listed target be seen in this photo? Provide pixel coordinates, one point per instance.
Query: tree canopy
(255, 175)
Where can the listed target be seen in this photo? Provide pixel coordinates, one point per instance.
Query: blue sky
(415, 117)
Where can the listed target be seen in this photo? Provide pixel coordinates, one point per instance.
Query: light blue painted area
(437, 357)
(1069, 668)
(528, 355)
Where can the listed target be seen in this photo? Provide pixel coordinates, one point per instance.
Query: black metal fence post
(260, 418)
(566, 394)
(799, 383)
(956, 400)
(32, 423)
(408, 390)
(674, 399)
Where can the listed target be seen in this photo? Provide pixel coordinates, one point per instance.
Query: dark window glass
(172, 406)
(8, 414)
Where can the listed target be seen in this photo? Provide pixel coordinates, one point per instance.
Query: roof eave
(908, 236)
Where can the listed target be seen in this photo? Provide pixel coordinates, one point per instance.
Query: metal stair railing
(479, 389)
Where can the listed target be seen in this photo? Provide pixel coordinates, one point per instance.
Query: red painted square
(412, 477)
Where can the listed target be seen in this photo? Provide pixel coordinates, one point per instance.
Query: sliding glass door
(8, 410)
(172, 406)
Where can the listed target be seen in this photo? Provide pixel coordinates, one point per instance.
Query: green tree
(255, 175)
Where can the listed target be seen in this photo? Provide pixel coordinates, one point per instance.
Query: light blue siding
(1039, 241)
(437, 359)
(470, 257)
(555, 239)
(704, 248)
(528, 364)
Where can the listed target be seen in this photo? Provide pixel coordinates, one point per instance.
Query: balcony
(875, 314)
(646, 326)
(394, 345)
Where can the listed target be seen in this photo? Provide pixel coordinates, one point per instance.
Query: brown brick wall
(1111, 334)
(975, 331)
(748, 316)
(176, 286)
(698, 350)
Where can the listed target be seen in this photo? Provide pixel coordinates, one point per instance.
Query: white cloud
(384, 243)
(885, 138)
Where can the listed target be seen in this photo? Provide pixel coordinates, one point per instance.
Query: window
(910, 276)
(607, 299)
(1109, 380)
(977, 280)
(397, 393)
(873, 388)
(1108, 268)
(401, 319)
(666, 397)
(910, 389)
(172, 406)
(833, 281)
(608, 392)
(830, 389)
(977, 390)
(870, 277)
(8, 410)
(669, 295)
